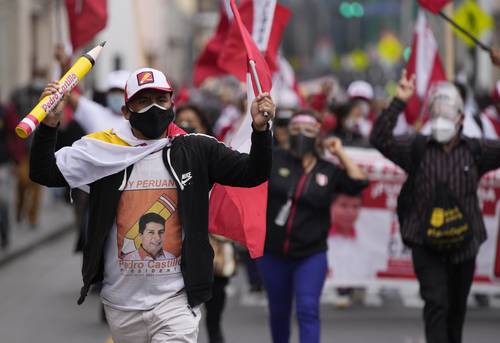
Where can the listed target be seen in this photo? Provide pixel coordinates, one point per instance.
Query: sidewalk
(55, 219)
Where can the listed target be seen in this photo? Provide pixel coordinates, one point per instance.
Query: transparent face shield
(446, 108)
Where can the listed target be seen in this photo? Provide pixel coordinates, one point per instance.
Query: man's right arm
(395, 148)
(43, 167)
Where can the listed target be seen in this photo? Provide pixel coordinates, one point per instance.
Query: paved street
(54, 217)
(38, 295)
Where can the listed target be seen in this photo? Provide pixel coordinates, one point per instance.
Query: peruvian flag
(86, 18)
(425, 64)
(266, 20)
(240, 213)
(435, 6)
(206, 65)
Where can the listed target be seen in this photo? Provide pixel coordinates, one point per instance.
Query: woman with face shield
(301, 185)
(438, 208)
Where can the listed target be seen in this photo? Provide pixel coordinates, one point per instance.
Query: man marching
(438, 208)
(146, 167)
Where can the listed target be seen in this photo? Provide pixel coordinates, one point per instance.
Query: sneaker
(343, 301)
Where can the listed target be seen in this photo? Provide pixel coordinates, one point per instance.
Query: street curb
(36, 244)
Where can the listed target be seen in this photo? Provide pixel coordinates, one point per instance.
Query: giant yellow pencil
(74, 75)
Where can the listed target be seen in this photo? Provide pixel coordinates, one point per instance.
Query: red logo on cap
(145, 77)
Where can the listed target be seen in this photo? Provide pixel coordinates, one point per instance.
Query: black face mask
(153, 122)
(301, 144)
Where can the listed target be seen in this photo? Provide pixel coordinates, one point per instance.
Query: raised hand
(333, 145)
(495, 56)
(53, 117)
(261, 105)
(406, 87)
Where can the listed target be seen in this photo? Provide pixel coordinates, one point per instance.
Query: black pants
(444, 287)
(215, 307)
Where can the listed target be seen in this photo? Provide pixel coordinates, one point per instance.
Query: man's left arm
(232, 168)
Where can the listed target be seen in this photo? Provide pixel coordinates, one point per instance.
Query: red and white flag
(265, 20)
(497, 259)
(285, 85)
(206, 65)
(435, 6)
(240, 213)
(426, 64)
(86, 18)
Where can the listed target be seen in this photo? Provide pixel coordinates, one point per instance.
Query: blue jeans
(286, 279)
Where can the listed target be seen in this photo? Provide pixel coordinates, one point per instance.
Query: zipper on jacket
(124, 182)
(192, 311)
(298, 193)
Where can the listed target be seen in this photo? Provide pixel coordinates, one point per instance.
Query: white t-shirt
(93, 117)
(143, 251)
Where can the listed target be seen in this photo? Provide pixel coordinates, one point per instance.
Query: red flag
(240, 213)
(425, 64)
(86, 19)
(254, 17)
(435, 6)
(206, 66)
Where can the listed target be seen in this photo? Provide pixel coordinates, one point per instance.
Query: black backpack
(406, 196)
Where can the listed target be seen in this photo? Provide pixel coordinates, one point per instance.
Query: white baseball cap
(360, 89)
(117, 79)
(146, 78)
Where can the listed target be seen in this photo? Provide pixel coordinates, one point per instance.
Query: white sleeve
(88, 114)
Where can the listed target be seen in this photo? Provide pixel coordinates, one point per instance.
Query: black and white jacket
(196, 162)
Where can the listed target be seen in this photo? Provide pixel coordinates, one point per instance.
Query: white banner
(263, 15)
(367, 249)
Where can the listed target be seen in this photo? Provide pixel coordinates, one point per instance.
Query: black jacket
(306, 230)
(207, 161)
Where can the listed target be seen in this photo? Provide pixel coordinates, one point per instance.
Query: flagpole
(449, 46)
(257, 81)
(468, 34)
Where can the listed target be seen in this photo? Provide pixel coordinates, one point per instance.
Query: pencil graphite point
(103, 43)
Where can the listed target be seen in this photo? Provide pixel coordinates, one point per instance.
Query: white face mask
(443, 129)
